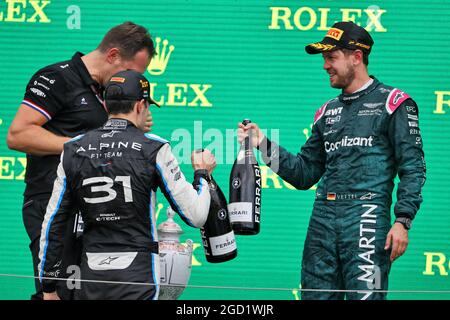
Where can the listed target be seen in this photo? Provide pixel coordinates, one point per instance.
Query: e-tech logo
(174, 94)
(349, 142)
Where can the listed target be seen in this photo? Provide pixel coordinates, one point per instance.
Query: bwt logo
(333, 112)
(436, 261)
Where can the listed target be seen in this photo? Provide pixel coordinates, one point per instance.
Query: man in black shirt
(62, 101)
(111, 174)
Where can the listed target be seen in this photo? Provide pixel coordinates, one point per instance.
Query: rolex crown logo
(159, 62)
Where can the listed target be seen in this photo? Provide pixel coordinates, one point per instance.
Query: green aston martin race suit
(359, 143)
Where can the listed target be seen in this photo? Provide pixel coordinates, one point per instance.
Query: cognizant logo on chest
(348, 142)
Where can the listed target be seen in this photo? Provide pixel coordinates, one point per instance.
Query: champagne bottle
(217, 235)
(245, 191)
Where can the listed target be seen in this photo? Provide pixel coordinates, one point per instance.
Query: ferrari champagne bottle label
(217, 234)
(241, 212)
(245, 191)
(223, 244)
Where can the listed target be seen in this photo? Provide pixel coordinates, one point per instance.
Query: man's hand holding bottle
(250, 129)
(203, 159)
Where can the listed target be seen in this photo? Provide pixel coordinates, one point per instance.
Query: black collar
(117, 124)
(351, 97)
(80, 67)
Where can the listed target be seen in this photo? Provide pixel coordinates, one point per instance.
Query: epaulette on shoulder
(319, 113)
(78, 137)
(395, 99)
(155, 137)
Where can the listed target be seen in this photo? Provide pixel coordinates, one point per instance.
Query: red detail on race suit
(395, 99)
(320, 112)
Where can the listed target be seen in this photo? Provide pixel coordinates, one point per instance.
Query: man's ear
(112, 55)
(140, 106)
(358, 56)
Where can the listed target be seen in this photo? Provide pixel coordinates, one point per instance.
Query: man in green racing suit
(359, 142)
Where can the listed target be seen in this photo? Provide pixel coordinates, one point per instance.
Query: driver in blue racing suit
(111, 175)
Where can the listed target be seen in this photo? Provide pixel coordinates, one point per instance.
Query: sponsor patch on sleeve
(395, 99)
(117, 79)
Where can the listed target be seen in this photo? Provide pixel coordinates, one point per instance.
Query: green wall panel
(248, 64)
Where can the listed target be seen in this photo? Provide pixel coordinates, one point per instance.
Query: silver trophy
(175, 258)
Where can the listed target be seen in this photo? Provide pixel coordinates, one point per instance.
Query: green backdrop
(229, 60)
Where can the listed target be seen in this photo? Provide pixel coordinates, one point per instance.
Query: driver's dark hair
(365, 55)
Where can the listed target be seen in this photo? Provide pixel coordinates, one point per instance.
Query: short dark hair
(364, 55)
(118, 106)
(130, 38)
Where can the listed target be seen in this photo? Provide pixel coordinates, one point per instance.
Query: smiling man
(360, 141)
